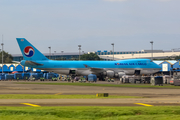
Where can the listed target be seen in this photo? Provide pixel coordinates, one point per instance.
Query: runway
(151, 96)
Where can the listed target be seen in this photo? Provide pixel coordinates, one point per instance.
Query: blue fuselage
(86, 67)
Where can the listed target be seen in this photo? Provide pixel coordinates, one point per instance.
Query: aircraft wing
(16, 62)
(100, 70)
(95, 70)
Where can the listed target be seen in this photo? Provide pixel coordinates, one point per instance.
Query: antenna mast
(2, 53)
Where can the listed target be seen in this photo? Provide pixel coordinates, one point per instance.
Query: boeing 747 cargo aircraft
(35, 59)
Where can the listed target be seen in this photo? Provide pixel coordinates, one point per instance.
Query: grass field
(105, 85)
(48, 96)
(90, 113)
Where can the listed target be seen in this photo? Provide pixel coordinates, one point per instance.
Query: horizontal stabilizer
(16, 62)
(33, 63)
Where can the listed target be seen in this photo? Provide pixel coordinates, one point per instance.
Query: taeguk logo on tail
(28, 51)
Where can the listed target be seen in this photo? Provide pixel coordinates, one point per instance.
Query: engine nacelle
(120, 74)
(116, 75)
(109, 73)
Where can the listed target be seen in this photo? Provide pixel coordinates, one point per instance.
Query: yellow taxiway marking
(58, 93)
(143, 104)
(31, 104)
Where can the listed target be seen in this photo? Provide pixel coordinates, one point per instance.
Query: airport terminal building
(53, 56)
(157, 54)
(108, 55)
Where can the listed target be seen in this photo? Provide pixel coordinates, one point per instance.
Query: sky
(93, 24)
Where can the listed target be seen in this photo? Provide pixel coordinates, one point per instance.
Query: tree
(177, 57)
(7, 58)
(62, 58)
(170, 58)
(91, 56)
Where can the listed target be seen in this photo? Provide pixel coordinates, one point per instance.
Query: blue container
(9, 76)
(44, 75)
(50, 75)
(92, 77)
(18, 76)
(25, 76)
(2, 76)
(56, 75)
(40, 75)
(35, 75)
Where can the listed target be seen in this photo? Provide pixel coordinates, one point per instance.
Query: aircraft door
(137, 72)
(72, 72)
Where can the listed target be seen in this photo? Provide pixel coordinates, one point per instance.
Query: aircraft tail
(29, 52)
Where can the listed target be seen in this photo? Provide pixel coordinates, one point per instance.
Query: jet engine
(120, 74)
(116, 75)
(109, 73)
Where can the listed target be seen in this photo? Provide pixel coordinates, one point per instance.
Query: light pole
(107, 58)
(55, 55)
(62, 54)
(2, 53)
(151, 50)
(113, 49)
(79, 50)
(138, 53)
(132, 55)
(49, 52)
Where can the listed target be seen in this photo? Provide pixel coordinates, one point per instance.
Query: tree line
(91, 56)
(7, 58)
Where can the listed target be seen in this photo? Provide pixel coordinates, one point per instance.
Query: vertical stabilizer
(29, 52)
